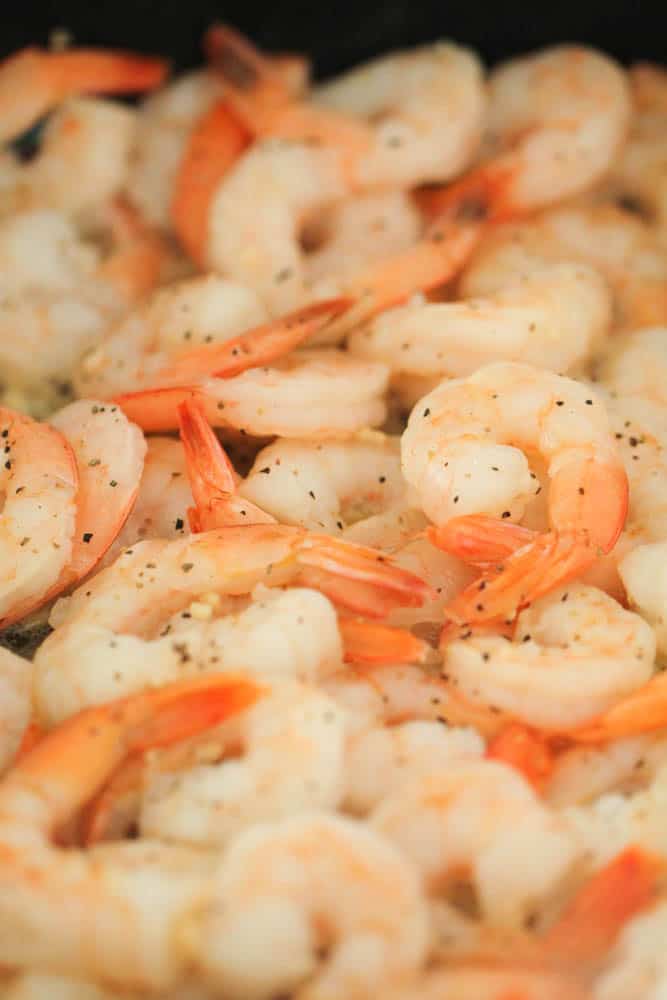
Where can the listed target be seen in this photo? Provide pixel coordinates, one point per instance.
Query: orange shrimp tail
(257, 347)
(370, 643)
(480, 540)
(80, 71)
(243, 67)
(643, 711)
(31, 737)
(592, 922)
(212, 476)
(359, 579)
(530, 572)
(526, 751)
(481, 195)
(157, 409)
(599, 506)
(217, 142)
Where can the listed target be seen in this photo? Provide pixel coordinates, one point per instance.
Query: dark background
(338, 34)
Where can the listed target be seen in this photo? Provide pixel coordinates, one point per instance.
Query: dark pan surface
(338, 33)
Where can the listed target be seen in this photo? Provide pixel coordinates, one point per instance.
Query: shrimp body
(476, 820)
(39, 481)
(554, 317)
(428, 105)
(315, 883)
(288, 757)
(576, 652)
(464, 450)
(643, 574)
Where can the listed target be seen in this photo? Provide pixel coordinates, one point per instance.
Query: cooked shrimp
(284, 757)
(576, 652)
(643, 574)
(115, 615)
(160, 509)
(171, 323)
(477, 820)
(32, 81)
(556, 120)
(309, 394)
(624, 249)
(476, 465)
(109, 453)
(39, 485)
(381, 759)
(15, 703)
(343, 903)
(636, 365)
(125, 888)
(424, 110)
(554, 317)
(87, 139)
(283, 184)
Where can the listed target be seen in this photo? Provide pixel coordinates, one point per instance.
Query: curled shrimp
(48, 787)
(32, 81)
(476, 465)
(115, 616)
(401, 120)
(576, 652)
(554, 317)
(556, 120)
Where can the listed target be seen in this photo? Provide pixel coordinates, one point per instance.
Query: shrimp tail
(481, 195)
(212, 476)
(524, 750)
(359, 579)
(217, 142)
(643, 711)
(480, 540)
(370, 643)
(256, 347)
(590, 925)
(533, 570)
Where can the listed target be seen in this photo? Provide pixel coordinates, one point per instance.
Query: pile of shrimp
(333, 527)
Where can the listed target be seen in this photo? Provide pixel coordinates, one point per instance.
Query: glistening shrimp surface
(333, 436)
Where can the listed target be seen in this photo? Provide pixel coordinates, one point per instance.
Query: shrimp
(624, 249)
(48, 787)
(115, 615)
(401, 120)
(86, 138)
(32, 81)
(174, 321)
(15, 704)
(576, 652)
(284, 757)
(476, 466)
(284, 184)
(554, 317)
(39, 483)
(643, 574)
(556, 120)
(477, 821)
(109, 453)
(636, 366)
(343, 904)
